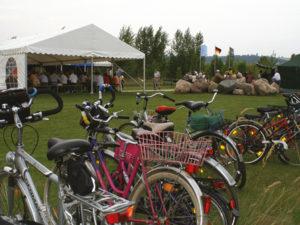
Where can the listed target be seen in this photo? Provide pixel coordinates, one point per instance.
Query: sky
(249, 26)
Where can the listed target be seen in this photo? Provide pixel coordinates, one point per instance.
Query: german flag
(217, 51)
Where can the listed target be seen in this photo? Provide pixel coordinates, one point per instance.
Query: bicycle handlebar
(146, 97)
(36, 116)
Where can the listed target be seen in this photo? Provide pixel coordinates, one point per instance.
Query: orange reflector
(129, 212)
(168, 187)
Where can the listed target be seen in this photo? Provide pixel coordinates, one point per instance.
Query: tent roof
(294, 62)
(72, 45)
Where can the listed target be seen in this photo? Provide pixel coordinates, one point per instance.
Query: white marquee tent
(86, 44)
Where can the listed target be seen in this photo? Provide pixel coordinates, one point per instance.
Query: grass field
(271, 195)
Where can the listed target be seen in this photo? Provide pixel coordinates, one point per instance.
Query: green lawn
(271, 194)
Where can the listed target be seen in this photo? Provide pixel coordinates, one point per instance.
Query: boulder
(183, 86)
(199, 86)
(217, 78)
(262, 87)
(227, 86)
(212, 86)
(241, 80)
(247, 88)
(238, 92)
(276, 86)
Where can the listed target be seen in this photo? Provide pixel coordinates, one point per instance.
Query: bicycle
(275, 130)
(20, 202)
(219, 178)
(151, 188)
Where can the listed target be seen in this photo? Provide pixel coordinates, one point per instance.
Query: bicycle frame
(126, 191)
(20, 173)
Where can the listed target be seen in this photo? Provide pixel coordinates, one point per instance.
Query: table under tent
(88, 44)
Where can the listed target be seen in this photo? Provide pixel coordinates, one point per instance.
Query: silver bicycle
(20, 201)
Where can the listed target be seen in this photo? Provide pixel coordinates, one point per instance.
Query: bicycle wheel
(225, 152)
(292, 154)
(219, 203)
(13, 208)
(249, 137)
(174, 200)
(215, 208)
(211, 179)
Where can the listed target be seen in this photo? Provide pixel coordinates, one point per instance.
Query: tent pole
(92, 76)
(144, 74)
(26, 72)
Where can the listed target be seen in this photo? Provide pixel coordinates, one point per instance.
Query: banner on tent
(13, 71)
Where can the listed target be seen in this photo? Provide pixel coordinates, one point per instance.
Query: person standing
(44, 79)
(156, 80)
(73, 78)
(277, 78)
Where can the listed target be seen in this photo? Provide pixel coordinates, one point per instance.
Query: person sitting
(116, 82)
(217, 78)
(277, 78)
(54, 78)
(34, 80)
(63, 79)
(73, 78)
(106, 77)
(44, 79)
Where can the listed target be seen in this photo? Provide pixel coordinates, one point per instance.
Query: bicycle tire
(178, 185)
(219, 206)
(21, 212)
(251, 142)
(222, 143)
(291, 155)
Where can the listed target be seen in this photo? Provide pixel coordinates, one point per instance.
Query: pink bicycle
(142, 172)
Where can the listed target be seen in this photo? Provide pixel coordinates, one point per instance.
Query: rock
(276, 86)
(217, 78)
(238, 92)
(247, 88)
(212, 86)
(183, 86)
(241, 80)
(199, 86)
(227, 86)
(262, 87)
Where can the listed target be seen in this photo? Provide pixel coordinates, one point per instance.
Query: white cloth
(44, 79)
(73, 78)
(100, 80)
(157, 74)
(54, 78)
(64, 79)
(276, 77)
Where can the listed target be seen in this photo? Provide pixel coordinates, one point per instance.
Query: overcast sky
(249, 26)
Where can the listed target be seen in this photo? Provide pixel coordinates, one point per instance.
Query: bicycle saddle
(263, 110)
(192, 105)
(165, 110)
(59, 147)
(158, 127)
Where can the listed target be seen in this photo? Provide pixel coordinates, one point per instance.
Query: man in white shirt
(54, 78)
(156, 80)
(276, 78)
(44, 79)
(73, 78)
(63, 79)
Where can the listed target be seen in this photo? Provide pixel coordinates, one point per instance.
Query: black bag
(14, 97)
(78, 177)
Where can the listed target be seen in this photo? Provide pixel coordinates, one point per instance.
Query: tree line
(179, 55)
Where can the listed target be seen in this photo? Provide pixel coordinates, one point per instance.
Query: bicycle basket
(14, 97)
(172, 147)
(207, 122)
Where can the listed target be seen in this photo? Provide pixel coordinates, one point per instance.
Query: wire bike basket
(172, 148)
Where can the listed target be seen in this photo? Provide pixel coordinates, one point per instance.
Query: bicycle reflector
(207, 204)
(119, 217)
(191, 169)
